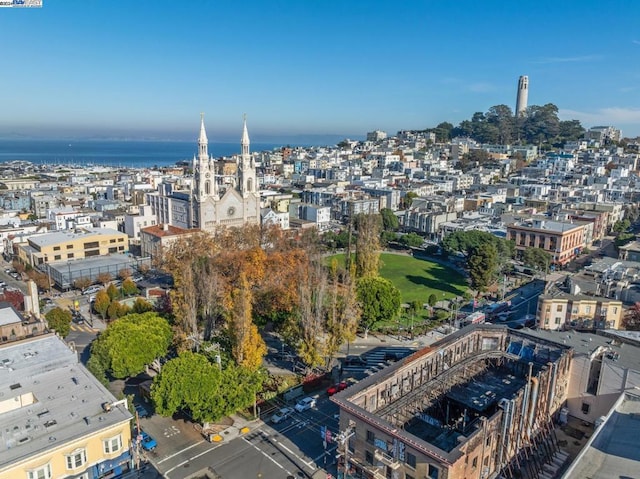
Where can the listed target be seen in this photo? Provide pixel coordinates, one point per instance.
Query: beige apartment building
(588, 313)
(72, 245)
(57, 420)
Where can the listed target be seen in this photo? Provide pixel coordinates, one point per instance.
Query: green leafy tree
(483, 265)
(432, 300)
(102, 302)
(415, 306)
(98, 365)
(621, 226)
(342, 240)
(466, 241)
(570, 130)
(389, 220)
(129, 287)
(113, 292)
(387, 237)
(539, 125)
(623, 238)
(536, 258)
(412, 240)
(474, 158)
(379, 301)
(502, 118)
(408, 198)
(190, 382)
(59, 320)
(141, 306)
(131, 343)
(443, 131)
(117, 310)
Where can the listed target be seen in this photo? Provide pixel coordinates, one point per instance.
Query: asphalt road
(293, 448)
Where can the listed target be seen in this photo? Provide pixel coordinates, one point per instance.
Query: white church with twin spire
(224, 193)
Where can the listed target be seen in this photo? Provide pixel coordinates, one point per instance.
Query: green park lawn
(417, 279)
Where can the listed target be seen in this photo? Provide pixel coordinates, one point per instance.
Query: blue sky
(343, 67)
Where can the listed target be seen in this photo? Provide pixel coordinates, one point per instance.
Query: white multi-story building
(134, 223)
(320, 215)
(67, 218)
(271, 217)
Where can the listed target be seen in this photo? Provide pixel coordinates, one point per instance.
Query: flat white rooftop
(58, 399)
(612, 451)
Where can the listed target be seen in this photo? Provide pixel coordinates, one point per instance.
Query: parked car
(147, 442)
(304, 404)
(92, 289)
(281, 415)
(3, 284)
(337, 388)
(142, 412)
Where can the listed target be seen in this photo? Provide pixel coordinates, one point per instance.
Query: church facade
(224, 193)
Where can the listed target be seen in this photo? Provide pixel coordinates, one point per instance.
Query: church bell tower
(247, 168)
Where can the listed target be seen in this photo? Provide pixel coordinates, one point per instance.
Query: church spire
(246, 170)
(244, 142)
(203, 142)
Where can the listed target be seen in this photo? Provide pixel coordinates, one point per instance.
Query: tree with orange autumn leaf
(278, 295)
(248, 347)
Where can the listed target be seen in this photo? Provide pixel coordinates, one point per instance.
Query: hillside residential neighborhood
(543, 347)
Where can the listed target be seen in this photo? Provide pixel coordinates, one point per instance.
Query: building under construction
(478, 404)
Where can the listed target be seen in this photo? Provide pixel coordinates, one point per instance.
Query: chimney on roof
(165, 227)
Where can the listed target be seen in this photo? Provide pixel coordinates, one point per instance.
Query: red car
(337, 388)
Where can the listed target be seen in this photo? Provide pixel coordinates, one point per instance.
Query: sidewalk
(66, 303)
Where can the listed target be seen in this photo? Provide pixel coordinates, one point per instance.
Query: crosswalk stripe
(86, 329)
(375, 360)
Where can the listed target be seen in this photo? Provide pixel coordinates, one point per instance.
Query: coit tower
(523, 95)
